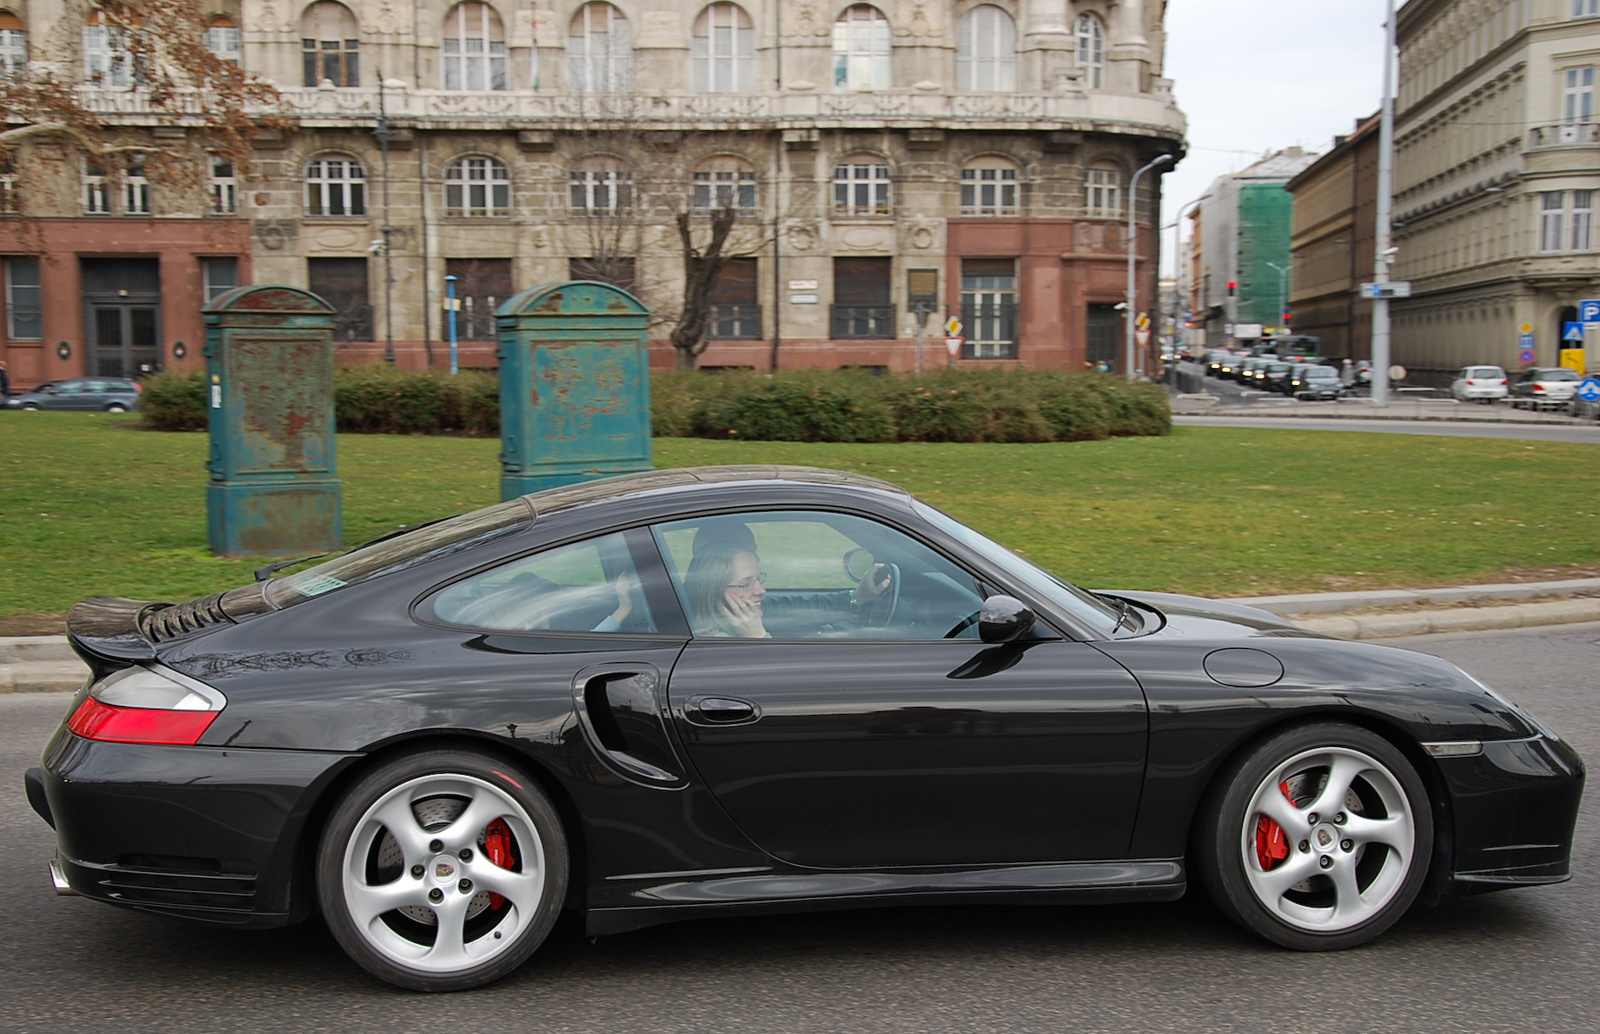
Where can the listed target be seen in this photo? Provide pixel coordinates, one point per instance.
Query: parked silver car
(108, 394)
(1485, 383)
(1545, 387)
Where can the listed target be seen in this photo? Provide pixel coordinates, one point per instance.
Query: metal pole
(1177, 263)
(1283, 299)
(1385, 249)
(450, 306)
(1133, 245)
(382, 133)
(922, 322)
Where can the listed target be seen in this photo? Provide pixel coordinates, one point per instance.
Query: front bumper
(1514, 809)
(206, 833)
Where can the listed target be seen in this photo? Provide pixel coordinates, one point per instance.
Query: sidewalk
(44, 664)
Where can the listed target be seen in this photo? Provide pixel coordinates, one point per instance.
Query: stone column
(1128, 53)
(1047, 46)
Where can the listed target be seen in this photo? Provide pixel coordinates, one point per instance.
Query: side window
(799, 574)
(588, 586)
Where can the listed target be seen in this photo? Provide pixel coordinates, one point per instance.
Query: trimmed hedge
(799, 406)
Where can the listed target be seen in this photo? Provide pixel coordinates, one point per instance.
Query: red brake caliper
(497, 846)
(1271, 848)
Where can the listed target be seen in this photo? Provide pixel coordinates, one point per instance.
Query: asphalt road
(1583, 433)
(1515, 961)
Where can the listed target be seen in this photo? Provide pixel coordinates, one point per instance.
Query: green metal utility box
(574, 386)
(274, 488)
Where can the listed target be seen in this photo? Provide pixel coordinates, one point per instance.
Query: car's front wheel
(1317, 839)
(442, 870)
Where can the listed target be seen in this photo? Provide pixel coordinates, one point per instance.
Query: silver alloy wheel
(443, 871)
(1345, 867)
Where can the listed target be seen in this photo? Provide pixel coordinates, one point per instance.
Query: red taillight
(137, 387)
(96, 721)
(1538, 387)
(1504, 381)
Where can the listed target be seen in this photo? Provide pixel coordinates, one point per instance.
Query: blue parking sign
(1589, 390)
(1589, 310)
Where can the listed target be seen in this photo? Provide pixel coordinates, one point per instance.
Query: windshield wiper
(264, 572)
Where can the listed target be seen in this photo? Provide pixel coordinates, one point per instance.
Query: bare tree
(151, 70)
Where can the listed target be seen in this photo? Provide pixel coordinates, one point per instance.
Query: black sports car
(741, 690)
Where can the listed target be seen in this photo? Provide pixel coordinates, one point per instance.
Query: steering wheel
(879, 611)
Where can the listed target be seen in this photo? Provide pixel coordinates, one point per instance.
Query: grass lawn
(89, 504)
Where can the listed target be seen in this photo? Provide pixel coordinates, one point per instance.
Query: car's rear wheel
(442, 870)
(116, 407)
(1318, 838)
(32, 407)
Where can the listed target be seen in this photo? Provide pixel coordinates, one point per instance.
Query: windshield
(1083, 605)
(383, 556)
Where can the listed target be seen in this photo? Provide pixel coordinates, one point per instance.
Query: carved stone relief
(867, 238)
(802, 238)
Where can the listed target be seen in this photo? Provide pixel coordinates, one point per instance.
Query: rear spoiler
(104, 631)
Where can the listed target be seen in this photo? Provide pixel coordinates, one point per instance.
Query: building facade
(1497, 164)
(1333, 234)
(1242, 230)
(865, 147)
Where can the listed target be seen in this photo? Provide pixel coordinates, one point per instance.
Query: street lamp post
(1385, 250)
(1132, 314)
(450, 306)
(382, 133)
(1177, 257)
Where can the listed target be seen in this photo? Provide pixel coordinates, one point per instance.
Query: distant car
(1542, 387)
(107, 394)
(1485, 383)
(1315, 382)
(1273, 375)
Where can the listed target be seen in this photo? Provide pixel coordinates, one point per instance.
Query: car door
(884, 734)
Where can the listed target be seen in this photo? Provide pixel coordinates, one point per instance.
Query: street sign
(952, 326)
(1142, 337)
(1525, 357)
(1143, 322)
(1589, 390)
(1526, 328)
(952, 344)
(1397, 372)
(1390, 289)
(1589, 311)
(1572, 331)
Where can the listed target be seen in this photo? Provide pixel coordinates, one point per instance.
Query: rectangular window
(721, 188)
(1585, 8)
(1577, 96)
(342, 283)
(135, 192)
(221, 276)
(1102, 192)
(96, 198)
(23, 319)
(1552, 204)
(735, 305)
(861, 189)
(989, 308)
(1582, 238)
(482, 284)
(618, 271)
(863, 300)
(601, 191)
(224, 188)
(991, 191)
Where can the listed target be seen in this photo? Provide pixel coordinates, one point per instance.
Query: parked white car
(1480, 382)
(1545, 387)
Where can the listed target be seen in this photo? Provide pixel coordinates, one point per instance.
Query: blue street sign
(1572, 332)
(1525, 357)
(1589, 390)
(1589, 311)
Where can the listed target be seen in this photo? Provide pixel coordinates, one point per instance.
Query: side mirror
(1003, 618)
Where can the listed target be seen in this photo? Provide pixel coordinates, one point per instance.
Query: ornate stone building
(990, 143)
(1497, 168)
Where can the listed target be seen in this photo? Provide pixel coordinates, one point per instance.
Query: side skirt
(655, 898)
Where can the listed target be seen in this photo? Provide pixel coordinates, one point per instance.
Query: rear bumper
(1515, 806)
(199, 832)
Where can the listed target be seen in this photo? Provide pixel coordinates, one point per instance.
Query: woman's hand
(624, 589)
(742, 615)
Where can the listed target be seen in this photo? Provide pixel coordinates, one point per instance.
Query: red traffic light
(1231, 285)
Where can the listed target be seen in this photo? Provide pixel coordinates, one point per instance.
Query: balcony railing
(1569, 134)
(863, 321)
(736, 322)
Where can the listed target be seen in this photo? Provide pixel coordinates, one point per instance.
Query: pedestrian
(5, 382)
(1347, 374)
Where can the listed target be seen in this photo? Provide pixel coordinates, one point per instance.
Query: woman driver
(724, 585)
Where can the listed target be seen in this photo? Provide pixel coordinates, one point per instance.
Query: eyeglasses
(749, 583)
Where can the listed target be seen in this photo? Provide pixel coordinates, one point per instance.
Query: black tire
(460, 816)
(116, 407)
(1385, 805)
(32, 407)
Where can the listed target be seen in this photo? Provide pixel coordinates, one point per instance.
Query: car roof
(655, 481)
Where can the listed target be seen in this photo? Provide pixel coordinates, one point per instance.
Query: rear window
(429, 542)
(1479, 373)
(1560, 375)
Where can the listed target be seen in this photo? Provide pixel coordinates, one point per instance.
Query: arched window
(474, 48)
(1103, 190)
(724, 50)
(986, 51)
(600, 186)
(329, 44)
(861, 49)
(722, 182)
(989, 187)
(599, 50)
(106, 59)
(861, 186)
(222, 38)
(335, 185)
(13, 45)
(477, 186)
(1092, 51)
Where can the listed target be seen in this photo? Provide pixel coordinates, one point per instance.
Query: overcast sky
(1254, 76)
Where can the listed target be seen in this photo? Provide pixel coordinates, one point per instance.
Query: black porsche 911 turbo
(737, 690)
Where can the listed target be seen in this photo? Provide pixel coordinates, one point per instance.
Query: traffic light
(1232, 287)
(1286, 319)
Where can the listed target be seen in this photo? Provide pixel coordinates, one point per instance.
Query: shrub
(173, 401)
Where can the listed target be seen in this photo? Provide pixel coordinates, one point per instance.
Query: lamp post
(1283, 297)
(450, 307)
(1177, 257)
(382, 133)
(1384, 247)
(1132, 314)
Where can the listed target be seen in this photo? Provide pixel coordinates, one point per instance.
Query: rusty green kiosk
(574, 386)
(274, 488)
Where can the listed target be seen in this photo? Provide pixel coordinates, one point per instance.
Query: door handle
(721, 711)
